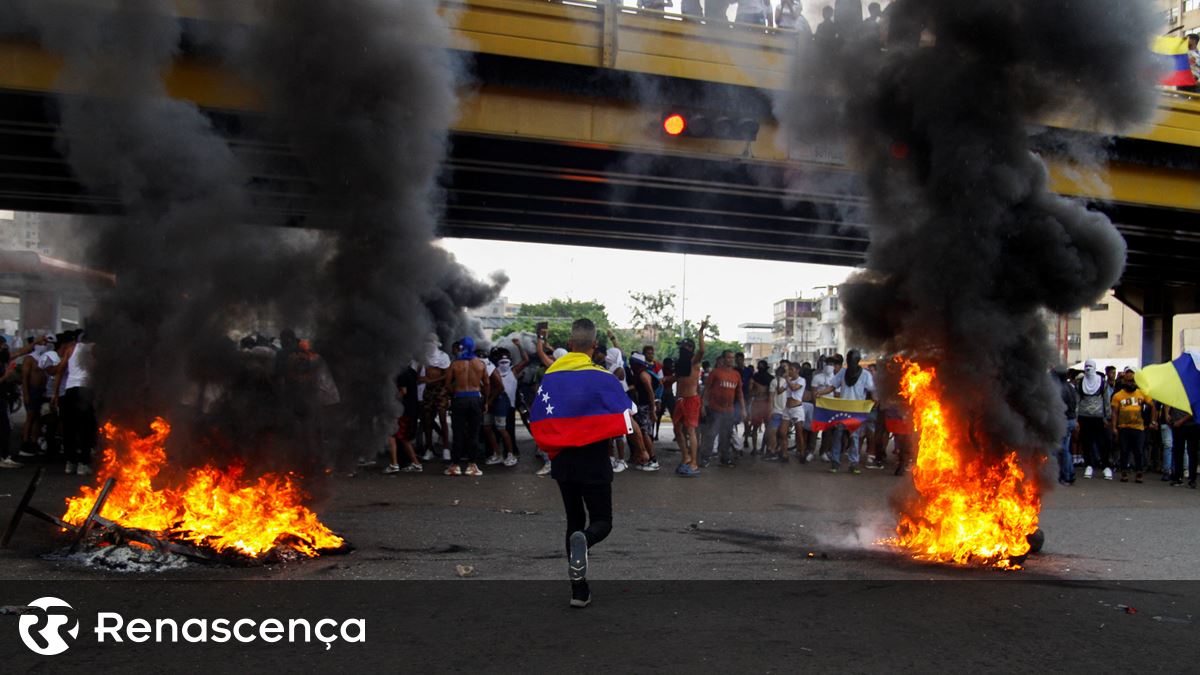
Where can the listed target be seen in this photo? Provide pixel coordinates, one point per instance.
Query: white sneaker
(446, 455)
(392, 468)
(494, 459)
(620, 466)
(612, 461)
(363, 461)
(428, 456)
(510, 460)
(825, 457)
(1087, 473)
(412, 468)
(473, 471)
(545, 470)
(809, 457)
(9, 463)
(70, 470)
(1108, 474)
(83, 470)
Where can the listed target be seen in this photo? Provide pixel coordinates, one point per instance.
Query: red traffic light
(674, 124)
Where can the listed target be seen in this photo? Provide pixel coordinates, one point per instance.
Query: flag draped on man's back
(579, 403)
(1176, 384)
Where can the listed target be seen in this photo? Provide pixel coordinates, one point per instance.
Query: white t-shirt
(796, 394)
(821, 380)
(779, 401)
(859, 390)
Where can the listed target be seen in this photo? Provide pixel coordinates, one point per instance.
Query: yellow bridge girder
(601, 35)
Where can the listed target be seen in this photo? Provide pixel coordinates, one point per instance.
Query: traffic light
(707, 124)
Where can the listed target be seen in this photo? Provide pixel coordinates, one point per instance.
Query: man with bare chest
(467, 380)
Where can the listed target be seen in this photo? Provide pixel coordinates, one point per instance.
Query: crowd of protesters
(1115, 430)
(50, 377)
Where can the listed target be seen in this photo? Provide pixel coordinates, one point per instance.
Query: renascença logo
(42, 631)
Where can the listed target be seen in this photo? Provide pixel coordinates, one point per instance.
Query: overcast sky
(733, 291)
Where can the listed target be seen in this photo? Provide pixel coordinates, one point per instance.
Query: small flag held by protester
(1173, 54)
(578, 404)
(831, 412)
(1176, 384)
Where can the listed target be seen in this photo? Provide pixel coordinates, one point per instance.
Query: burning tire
(1036, 541)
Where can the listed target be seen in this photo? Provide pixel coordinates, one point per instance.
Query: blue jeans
(1066, 463)
(1168, 442)
(836, 450)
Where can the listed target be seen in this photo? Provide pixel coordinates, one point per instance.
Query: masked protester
(1129, 406)
(1066, 463)
(853, 383)
(1091, 412)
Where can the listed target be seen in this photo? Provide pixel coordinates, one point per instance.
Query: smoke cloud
(363, 91)
(968, 244)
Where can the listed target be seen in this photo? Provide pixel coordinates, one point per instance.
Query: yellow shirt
(1128, 407)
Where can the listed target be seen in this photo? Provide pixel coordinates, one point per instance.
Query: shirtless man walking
(467, 380)
(687, 406)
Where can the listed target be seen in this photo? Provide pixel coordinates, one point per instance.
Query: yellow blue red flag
(579, 403)
(830, 412)
(1173, 55)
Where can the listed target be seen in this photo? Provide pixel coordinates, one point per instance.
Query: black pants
(1133, 454)
(5, 433)
(1185, 436)
(77, 407)
(465, 424)
(584, 500)
(1093, 442)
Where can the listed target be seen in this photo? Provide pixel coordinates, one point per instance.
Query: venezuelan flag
(579, 403)
(1173, 54)
(1176, 384)
(830, 412)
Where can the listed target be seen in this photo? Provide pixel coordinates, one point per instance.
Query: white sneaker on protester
(620, 466)
(428, 456)
(545, 470)
(494, 459)
(825, 457)
(392, 468)
(510, 460)
(70, 470)
(412, 468)
(1108, 474)
(612, 461)
(1087, 473)
(9, 463)
(446, 455)
(809, 457)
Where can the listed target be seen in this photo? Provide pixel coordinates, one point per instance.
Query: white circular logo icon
(42, 631)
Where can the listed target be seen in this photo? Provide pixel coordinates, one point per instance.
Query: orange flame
(219, 509)
(970, 510)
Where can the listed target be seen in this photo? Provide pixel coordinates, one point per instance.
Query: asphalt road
(758, 521)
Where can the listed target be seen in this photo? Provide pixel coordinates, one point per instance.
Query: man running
(577, 410)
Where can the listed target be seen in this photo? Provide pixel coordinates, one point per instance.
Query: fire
(970, 509)
(221, 509)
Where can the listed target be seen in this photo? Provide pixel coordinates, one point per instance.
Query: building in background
(758, 341)
(831, 335)
(21, 231)
(795, 330)
(1179, 17)
(1110, 330)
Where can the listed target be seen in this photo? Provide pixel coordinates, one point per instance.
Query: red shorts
(406, 428)
(687, 412)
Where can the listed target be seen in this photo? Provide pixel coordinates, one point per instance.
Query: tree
(559, 313)
(653, 313)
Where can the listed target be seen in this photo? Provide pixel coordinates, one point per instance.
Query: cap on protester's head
(468, 346)
(559, 353)
(637, 357)
(51, 339)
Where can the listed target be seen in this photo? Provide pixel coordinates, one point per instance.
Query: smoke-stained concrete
(967, 242)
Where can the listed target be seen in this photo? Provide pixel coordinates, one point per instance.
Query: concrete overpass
(559, 142)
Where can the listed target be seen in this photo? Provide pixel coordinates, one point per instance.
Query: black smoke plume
(968, 244)
(363, 91)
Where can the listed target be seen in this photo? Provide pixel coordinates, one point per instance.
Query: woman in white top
(77, 407)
